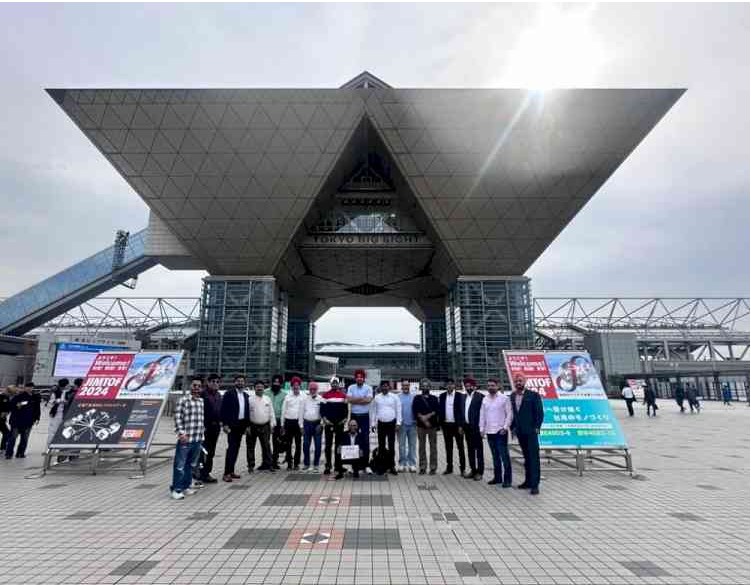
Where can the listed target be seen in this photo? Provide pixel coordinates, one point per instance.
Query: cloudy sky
(673, 220)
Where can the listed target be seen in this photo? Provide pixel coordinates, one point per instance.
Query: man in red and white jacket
(334, 412)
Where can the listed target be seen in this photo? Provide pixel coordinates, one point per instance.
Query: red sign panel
(105, 376)
(533, 366)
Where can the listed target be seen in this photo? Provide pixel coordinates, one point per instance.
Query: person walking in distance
(262, 420)
(359, 396)
(680, 396)
(496, 416)
(334, 411)
(387, 418)
(212, 428)
(425, 409)
(276, 394)
(235, 415)
(650, 399)
(189, 427)
(312, 428)
(475, 451)
(692, 398)
(451, 420)
(727, 395)
(5, 397)
(57, 401)
(528, 415)
(407, 431)
(292, 415)
(628, 395)
(25, 412)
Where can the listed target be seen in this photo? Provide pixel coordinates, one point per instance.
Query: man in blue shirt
(407, 432)
(360, 395)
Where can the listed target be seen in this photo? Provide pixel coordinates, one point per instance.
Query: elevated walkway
(81, 282)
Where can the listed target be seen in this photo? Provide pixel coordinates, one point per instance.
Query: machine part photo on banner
(91, 423)
(150, 375)
(577, 412)
(574, 375)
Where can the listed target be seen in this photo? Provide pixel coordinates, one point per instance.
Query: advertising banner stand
(112, 422)
(580, 431)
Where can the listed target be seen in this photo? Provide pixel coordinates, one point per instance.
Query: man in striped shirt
(189, 431)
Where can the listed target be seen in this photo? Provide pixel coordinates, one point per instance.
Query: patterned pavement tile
(688, 524)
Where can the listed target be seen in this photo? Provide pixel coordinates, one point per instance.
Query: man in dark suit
(528, 416)
(235, 415)
(451, 417)
(471, 429)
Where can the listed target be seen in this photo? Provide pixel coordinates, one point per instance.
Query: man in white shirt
(312, 427)
(292, 411)
(496, 416)
(629, 397)
(262, 420)
(386, 412)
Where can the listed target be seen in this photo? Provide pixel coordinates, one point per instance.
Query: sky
(673, 220)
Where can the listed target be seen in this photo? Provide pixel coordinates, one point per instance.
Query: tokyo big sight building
(302, 199)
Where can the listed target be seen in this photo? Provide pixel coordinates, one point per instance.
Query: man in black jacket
(471, 427)
(425, 409)
(235, 416)
(25, 412)
(451, 416)
(528, 416)
(212, 426)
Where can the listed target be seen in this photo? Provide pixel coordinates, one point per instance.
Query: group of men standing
(289, 423)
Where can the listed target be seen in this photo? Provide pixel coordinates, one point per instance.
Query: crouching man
(349, 452)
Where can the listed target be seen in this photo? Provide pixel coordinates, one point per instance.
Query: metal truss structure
(175, 316)
(678, 328)
(666, 328)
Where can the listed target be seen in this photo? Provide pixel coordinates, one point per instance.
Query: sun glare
(559, 50)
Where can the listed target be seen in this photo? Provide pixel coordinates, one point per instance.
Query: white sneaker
(305, 469)
(189, 492)
(316, 469)
(369, 471)
(177, 495)
(413, 469)
(399, 468)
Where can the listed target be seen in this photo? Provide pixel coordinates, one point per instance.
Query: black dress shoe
(448, 471)
(431, 472)
(421, 472)
(493, 482)
(339, 475)
(209, 479)
(506, 485)
(534, 491)
(477, 477)
(327, 471)
(356, 475)
(393, 472)
(523, 486)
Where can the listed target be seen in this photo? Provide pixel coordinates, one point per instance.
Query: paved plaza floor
(684, 518)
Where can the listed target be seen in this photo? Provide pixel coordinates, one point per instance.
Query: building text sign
(388, 240)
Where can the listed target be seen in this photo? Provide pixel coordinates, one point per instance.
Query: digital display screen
(73, 360)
